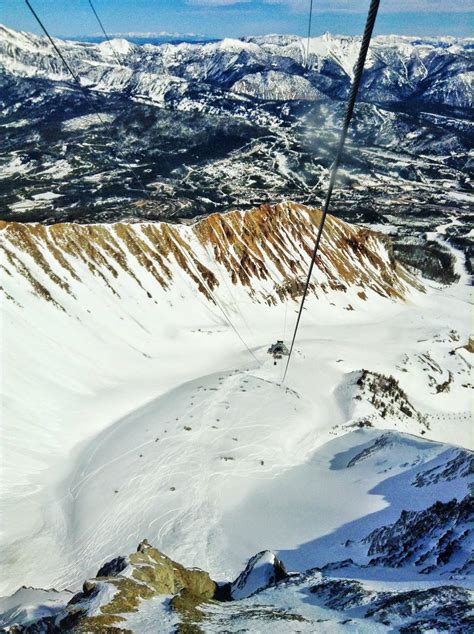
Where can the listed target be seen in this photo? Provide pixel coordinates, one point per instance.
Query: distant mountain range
(230, 123)
(139, 398)
(422, 70)
(146, 38)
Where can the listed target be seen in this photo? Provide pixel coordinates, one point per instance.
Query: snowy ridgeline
(433, 70)
(146, 417)
(203, 128)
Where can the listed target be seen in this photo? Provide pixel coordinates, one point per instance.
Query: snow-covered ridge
(269, 67)
(264, 252)
(263, 570)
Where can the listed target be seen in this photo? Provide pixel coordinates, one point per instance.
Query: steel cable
(86, 93)
(359, 68)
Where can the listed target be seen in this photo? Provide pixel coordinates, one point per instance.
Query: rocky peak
(120, 586)
(263, 570)
(124, 582)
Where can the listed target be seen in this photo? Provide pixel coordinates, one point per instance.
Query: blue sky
(233, 18)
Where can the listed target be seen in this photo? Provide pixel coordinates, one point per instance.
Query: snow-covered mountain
(139, 400)
(202, 128)
(142, 278)
(263, 251)
(147, 416)
(398, 68)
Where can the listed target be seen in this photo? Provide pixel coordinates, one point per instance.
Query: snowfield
(159, 423)
(130, 416)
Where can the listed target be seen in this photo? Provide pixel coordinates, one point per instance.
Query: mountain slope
(264, 252)
(146, 590)
(141, 394)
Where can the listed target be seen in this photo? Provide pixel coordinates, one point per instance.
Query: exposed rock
(378, 444)
(387, 397)
(113, 568)
(470, 345)
(268, 244)
(106, 600)
(433, 260)
(267, 595)
(461, 465)
(263, 570)
(442, 609)
(143, 546)
(273, 85)
(89, 587)
(427, 539)
(343, 594)
(446, 385)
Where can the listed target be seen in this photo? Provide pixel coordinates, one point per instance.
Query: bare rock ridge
(265, 251)
(123, 585)
(442, 609)
(124, 582)
(429, 539)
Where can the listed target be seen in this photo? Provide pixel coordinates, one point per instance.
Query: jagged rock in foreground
(149, 592)
(124, 582)
(119, 588)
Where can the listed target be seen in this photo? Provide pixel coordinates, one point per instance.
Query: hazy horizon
(217, 19)
(150, 37)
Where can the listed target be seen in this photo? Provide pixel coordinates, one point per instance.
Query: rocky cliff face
(264, 252)
(119, 588)
(438, 537)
